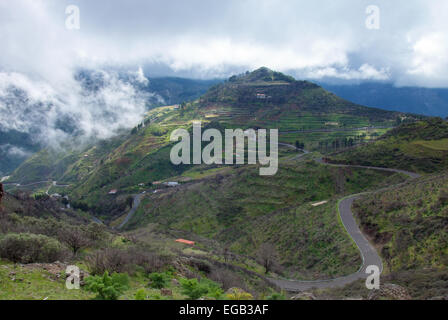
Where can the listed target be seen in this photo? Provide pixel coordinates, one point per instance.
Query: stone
(389, 291)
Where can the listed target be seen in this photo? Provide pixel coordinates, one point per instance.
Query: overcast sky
(207, 38)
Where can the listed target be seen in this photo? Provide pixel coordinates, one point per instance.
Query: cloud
(364, 72)
(14, 151)
(41, 92)
(217, 38)
(97, 105)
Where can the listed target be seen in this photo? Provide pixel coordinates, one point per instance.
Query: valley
(341, 165)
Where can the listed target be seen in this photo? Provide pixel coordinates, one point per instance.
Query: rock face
(304, 296)
(389, 291)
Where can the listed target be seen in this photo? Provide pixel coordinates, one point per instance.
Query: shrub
(158, 280)
(195, 289)
(238, 294)
(119, 260)
(227, 278)
(276, 296)
(97, 232)
(108, 287)
(140, 294)
(30, 248)
(192, 288)
(75, 238)
(109, 259)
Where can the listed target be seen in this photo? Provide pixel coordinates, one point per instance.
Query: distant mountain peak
(262, 74)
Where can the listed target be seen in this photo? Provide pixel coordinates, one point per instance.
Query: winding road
(135, 204)
(370, 256)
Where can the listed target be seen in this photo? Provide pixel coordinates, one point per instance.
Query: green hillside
(142, 156)
(421, 147)
(242, 210)
(36, 234)
(409, 223)
(233, 214)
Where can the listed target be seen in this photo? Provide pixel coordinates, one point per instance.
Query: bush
(238, 294)
(75, 238)
(276, 296)
(195, 289)
(227, 278)
(140, 294)
(108, 287)
(97, 232)
(30, 248)
(109, 259)
(119, 260)
(158, 280)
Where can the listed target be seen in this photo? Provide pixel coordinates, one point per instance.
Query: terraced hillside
(260, 99)
(421, 147)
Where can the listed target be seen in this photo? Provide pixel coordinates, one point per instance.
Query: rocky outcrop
(389, 291)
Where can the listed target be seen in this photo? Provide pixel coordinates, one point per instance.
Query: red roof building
(191, 243)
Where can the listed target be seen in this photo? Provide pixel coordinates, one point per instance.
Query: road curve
(135, 204)
(370, 256)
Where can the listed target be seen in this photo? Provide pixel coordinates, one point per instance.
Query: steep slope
(420, 147)
(409, 226)
(409, 223)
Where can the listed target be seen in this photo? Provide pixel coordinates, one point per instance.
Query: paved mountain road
(135, 204)
(369, 254)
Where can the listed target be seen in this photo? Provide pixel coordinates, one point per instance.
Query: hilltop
(271, 99)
